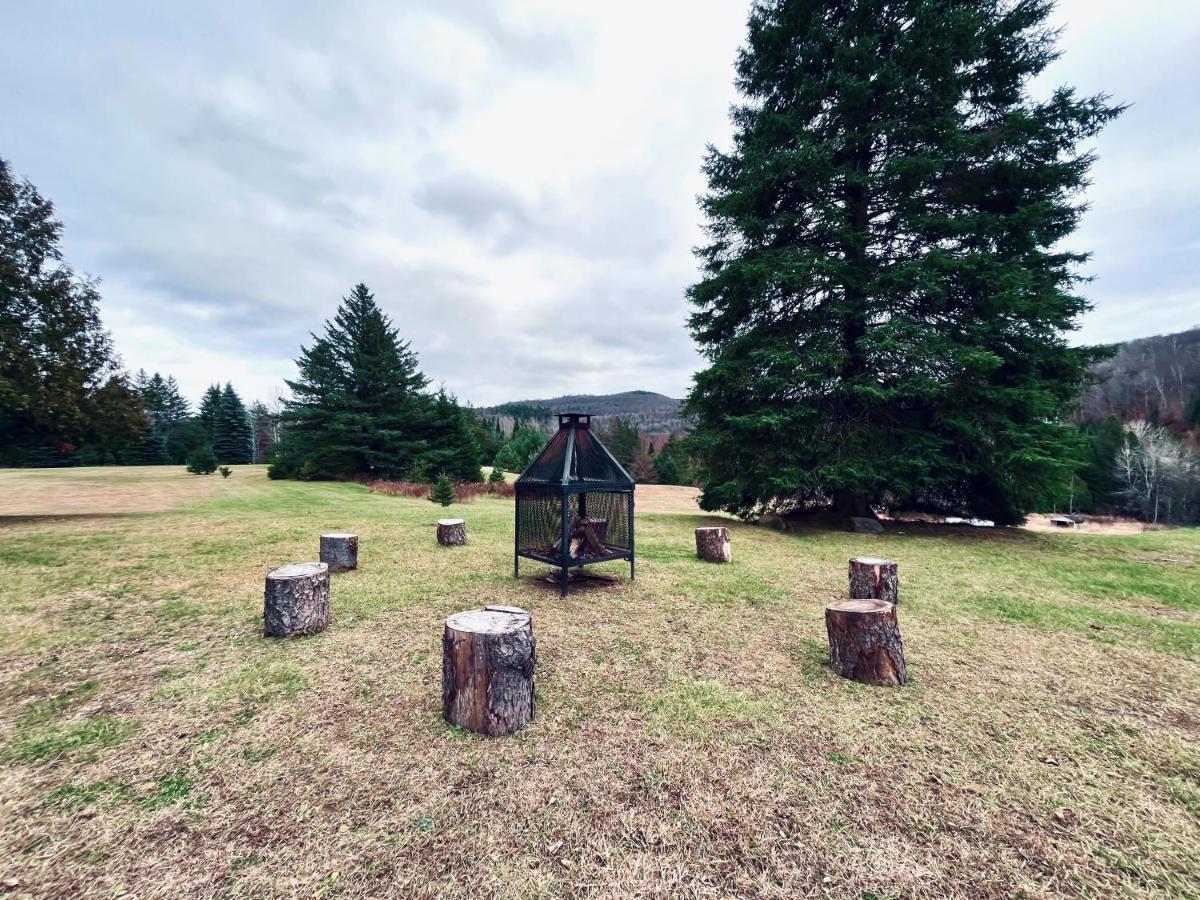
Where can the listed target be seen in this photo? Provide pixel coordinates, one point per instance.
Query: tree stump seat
(339, 551)
(874, 578)
(864, 641)
(451, 532)
(488, 660)
(296, 600)
(713, 544)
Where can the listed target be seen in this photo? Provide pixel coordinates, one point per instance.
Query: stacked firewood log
(586, 538)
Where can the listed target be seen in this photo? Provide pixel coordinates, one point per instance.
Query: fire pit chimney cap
(574, 420)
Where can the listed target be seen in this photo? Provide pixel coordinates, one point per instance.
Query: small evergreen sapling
(202, 462)
(443, 491)
(225, 471)
(495, 478)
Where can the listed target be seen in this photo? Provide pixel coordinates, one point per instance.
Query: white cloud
(515, 180)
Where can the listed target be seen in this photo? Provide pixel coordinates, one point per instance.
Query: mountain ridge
(650, 412)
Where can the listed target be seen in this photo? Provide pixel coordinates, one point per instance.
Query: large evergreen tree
(885, 297)
(54, 353)
(233, 439)
(210, 407)
(358, 406)
(168, 417)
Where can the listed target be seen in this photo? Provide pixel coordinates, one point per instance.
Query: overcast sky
(515, 181)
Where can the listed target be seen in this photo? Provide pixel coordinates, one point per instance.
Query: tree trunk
(488, 658)
(872, 578)
(451, 532)
(864, 641)
(339, 551)
(296, 600)
(713, 544)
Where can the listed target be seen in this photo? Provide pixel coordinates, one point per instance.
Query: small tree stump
(488, 657)
(872, 578)
(713, 544)
(296, 600)
(451, 532)
(864, 641)
(339, 551)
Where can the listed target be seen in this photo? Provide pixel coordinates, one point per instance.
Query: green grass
(690, 738)
(50, 743)
(692, 708)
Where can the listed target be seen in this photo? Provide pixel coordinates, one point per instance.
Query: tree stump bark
(296, 600)
(864, 641)
(872, 578)
(488, 658)
(339, 551)
(713, 544)
(451, 532)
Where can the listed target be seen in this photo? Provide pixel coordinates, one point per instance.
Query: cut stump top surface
(713, 528)
(493, 620)
(873, 561)
(299, 570)
(861, 606)
(450, 521)
(339, 534)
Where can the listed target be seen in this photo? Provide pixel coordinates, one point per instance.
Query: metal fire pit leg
(565, 546)
(631, 550)
(517, 534)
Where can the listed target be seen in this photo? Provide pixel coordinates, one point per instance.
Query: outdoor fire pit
(574, 503)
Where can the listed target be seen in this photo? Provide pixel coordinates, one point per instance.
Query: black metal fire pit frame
(575, 479)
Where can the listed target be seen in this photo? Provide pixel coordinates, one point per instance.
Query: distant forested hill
(649, 412)
(1156, 379)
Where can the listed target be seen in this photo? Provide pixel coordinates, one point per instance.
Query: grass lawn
(689, 741)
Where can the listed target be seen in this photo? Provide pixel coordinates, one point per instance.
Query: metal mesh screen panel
(539, 518)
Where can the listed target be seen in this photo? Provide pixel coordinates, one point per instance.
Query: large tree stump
(451, 532)
(488, 657)
(339, 551)
(864, 641)
(296, 600)
(713, 544)
(872, 578)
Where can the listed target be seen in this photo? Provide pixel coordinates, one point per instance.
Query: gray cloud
(514, 180)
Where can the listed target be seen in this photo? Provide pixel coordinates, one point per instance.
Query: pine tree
(885, 297)
(450, 445)
(176, 409)
(210, 405)
(202, 461)
(622, 440)
(232, 436)
(442, 491)
(520, 449)
(358, 406)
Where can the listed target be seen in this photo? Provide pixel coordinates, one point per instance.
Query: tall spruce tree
(358, 406)
(233, 438)
(885, 297)
(210, 406)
